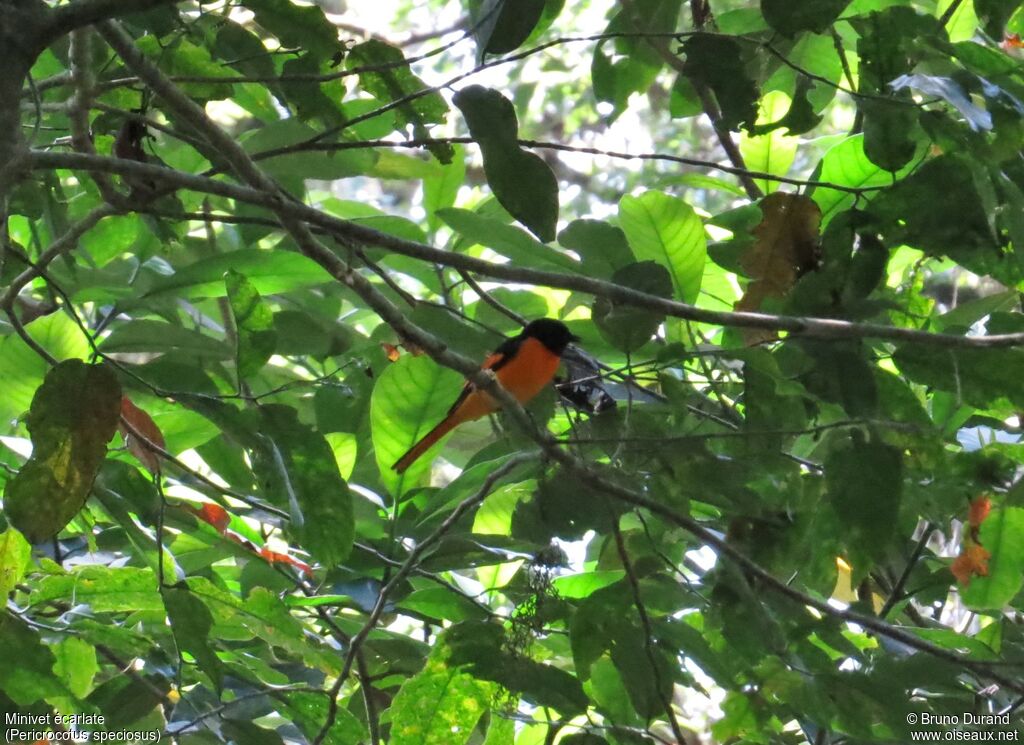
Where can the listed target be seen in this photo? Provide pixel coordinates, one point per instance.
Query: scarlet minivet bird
(524, 365)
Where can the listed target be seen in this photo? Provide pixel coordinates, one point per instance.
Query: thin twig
(489, 298)
(897, 591)
(407, 566)
(947, 16)
(645, 622)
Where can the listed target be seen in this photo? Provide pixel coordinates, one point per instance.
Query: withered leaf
(143, 425)
(786, 248)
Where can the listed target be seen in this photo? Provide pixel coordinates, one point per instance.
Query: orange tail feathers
(412, 454)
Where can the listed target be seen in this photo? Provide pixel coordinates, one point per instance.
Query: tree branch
(707, 101)
(821, 328)
(66, 18)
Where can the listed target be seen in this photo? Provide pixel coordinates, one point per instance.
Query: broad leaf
(666, 230)
(15, 557)
(297, 469)
(409, 399)
(813, 15)
(73, 416)
(507, 240)
(502, 25)
(864, 482)
(254, 325)
(103, 589)
(440, 705)
(268, 271)
(384, 76)
(21, 368)
(520, 180)
(717, 62)
(27, 673)
(191, 621)
(1002, 535)
(626, 327)
(297, 26)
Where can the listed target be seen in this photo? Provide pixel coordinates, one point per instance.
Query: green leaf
(521, 181)
(846, 164)
(502, 25)
(890, 44)
(412, 396)
(665, 229)
(718, 63)
(254, 324)
(479, 647)
(602, 247)
(344, 445)
(939, 209)
(187, 59)
(191, 622)
(74, 415)
(540, 685)
(791, 18)
(981, 377)
(27, 673)
(1002, 535)
(301, 333)
(503, 732)
(577, 586)
(391, 79)
(103, 589)
(296, 466)
(864, 483)
(561, 506)
(888, 132)
(297, 26)
(463, 337)
(635, 60)
(23, 370)
(772, 152)
(309, 711)
(507, 240)
(627, 327)
(238, 730)
(649, 687)
(269, 271)
(15, 558)
(245, 49)
(442, 604)
(146, 335)
(995, 14)
(314, 100)
(441, 188)
(111, 237)
(75, 664)
(616, 79)
(131, 703)
(439, 705)
(327, 165)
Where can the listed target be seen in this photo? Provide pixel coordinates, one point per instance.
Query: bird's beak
(573, 338)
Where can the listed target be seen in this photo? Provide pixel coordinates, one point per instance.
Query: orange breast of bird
(529, 371)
